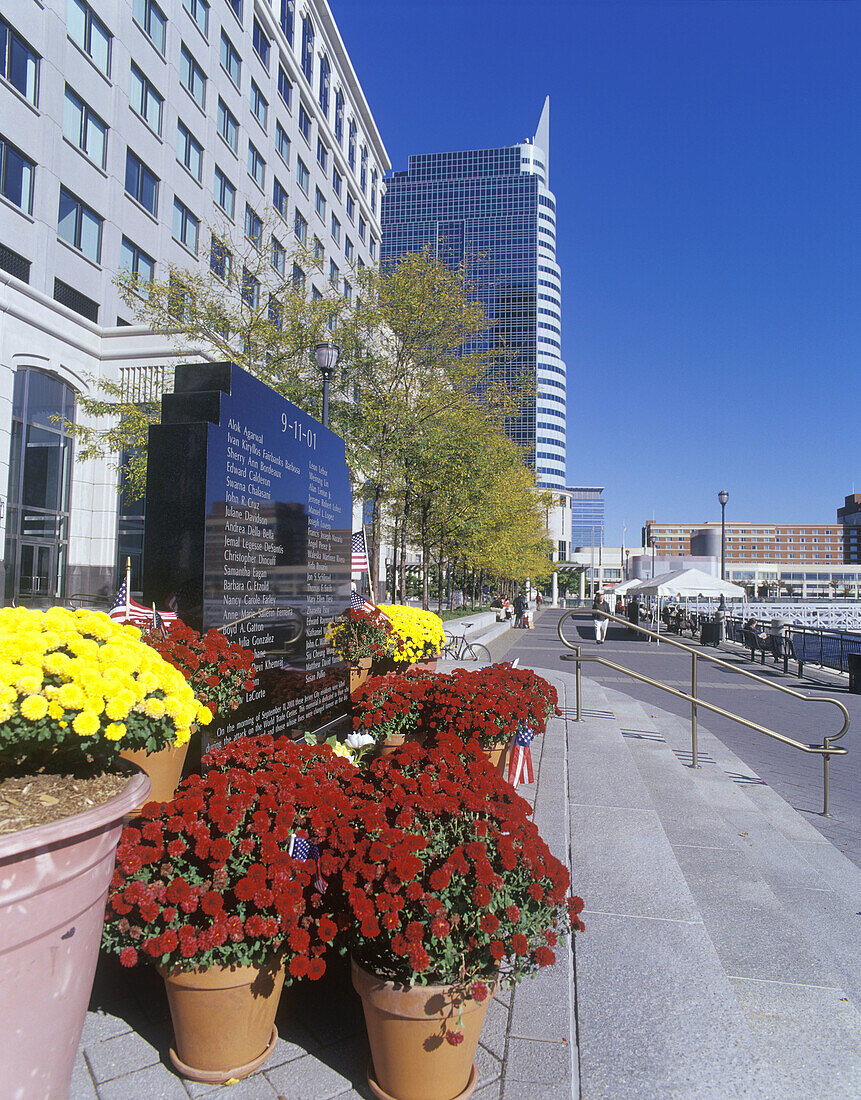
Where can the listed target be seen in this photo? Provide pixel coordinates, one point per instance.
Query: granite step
(779, 903)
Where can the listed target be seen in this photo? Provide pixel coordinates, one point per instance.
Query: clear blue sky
(706, 160)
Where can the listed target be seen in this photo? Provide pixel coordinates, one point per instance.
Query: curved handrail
(825, 750)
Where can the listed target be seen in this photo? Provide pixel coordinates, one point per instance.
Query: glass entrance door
(37, 571)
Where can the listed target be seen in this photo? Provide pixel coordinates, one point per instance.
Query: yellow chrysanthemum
(34, 707)
(29, 684)
(71, 696)
(204, 715)
(119, 705)
(86, 723)
(153, 707)
(115, 731)
(55, 710)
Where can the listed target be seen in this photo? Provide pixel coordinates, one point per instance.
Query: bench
(755, 643)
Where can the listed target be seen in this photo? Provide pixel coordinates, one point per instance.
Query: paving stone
(605, 776)
(490, 1091)
(255, 1087)
(82, 1086)
(827, 1064)
(489, 1067)
(112, 1058)
(308, 1078)
(520, 1090)
(153, 1083)
(494, 1032)
(102, 1025)
(539, 1063)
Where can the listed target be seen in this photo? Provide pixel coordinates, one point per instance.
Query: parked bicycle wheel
(475, 651)
(450, 647)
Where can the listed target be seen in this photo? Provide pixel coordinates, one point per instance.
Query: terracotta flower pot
(498, 757)
(359, 672)
(391, 743)
(411, 1058)
(53, 886)
(223, 1019)
(426, 664)
(163, 767)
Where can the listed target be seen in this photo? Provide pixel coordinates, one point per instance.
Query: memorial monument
(248, 529)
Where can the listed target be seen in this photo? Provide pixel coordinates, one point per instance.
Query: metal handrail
(826, 750)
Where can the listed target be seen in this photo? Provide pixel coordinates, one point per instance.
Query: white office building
(127, 129)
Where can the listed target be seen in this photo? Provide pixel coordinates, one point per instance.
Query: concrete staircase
(722, 956)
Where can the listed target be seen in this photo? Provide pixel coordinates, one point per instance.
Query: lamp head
(723, 497)
(326, 355)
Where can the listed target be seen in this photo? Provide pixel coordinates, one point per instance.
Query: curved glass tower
(495, 207)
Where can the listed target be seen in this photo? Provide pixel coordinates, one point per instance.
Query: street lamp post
(326, 355)
(723, 497)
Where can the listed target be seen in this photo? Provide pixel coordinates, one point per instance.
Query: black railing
(826, 648)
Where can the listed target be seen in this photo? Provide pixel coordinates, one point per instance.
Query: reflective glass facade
(587, 516)
(493, 208)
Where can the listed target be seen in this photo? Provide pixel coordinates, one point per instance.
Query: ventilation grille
(15, 265)
(73, 299)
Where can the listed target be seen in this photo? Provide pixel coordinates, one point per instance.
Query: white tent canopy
(689, 582)
(626, 586)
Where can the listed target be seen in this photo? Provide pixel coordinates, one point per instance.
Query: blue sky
(705, 158)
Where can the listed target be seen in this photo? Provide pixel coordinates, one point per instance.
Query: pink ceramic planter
(54, 882)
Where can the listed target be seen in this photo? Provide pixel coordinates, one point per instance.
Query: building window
(322, 154)
(282, 143)
(333, 273)
(17, 174)
(152, 21)
(348, 291)
(298, 277)
(308, 49)
(191, 75)
(230, 60)
(253, 226)
(300, 228)
(279, 198)
(224, 193)
(236, 6)
(320, 204)
(363, 170)
(19, 63)
(336, 230)
(37, 522)
(138, 266)
(348, 249)
(323, 91)
(362, 228)
(199, 12)
(141, 183)
(339, 117)
(79, 226)
(228, 127)
(319, 251)
(261, 44)
(278, 256)
(285, 88)
(374, 191)
(351, 207)
(83, 127)
(256, 166)
(186, 227)
(302, 174)
(373, 247)
(287, 12)
(304, 123)
(220, 260)
(250, 291)
(337, 181)
(189, 151)
(145, 100)
(90, 33)
(273, 312)
(351, 146)
(180, 299)
(259, 105)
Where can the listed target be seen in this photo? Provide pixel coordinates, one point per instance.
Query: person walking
(720, 622)
(600, 608)
(519, 607)
(633, 614)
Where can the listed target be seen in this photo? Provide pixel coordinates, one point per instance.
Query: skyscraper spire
(542, 137)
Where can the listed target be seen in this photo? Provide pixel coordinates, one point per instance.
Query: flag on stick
(360, 553)
(520, 763)
(359, 603)
(127, 610)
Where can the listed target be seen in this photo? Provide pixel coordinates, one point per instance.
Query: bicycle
(458, 648)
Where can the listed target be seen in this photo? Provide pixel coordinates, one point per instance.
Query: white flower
(359, 740)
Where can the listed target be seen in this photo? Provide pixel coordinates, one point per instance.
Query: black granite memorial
(248, 529)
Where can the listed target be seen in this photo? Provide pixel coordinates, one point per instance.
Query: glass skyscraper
(587, 516)
(494, 208)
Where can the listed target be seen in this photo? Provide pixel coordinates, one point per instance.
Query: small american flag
(127, 610)
(302, 848)
(520, 764)
(360, 553)
(359, 603)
